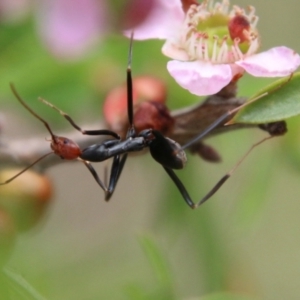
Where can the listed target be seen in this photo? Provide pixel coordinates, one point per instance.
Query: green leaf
(21, 287)
(282, 101)
(157, 260)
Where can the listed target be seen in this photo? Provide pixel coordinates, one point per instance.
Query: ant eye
(66, 141)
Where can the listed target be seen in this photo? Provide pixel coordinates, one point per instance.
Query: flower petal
(200, 78)
(163, 21)
(276, 62)
(171, 50)
(70, 27)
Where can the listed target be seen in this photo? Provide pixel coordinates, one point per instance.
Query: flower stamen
(207, 28)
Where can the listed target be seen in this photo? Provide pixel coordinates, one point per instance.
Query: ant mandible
(165, 151)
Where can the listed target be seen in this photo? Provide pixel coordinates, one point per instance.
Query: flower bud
(26, 197)
(145, 88)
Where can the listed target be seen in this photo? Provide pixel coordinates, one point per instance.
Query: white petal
(200, 78)
(276, 62)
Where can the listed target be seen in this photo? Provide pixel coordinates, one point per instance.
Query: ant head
(65, 148)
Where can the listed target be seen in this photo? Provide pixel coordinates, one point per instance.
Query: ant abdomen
(167, 152)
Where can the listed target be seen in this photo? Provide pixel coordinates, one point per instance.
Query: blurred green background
(146, 243)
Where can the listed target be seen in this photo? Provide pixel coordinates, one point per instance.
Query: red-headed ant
(165, 151)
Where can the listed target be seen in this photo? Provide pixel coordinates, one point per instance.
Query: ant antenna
(31, 111)
(24, 170)
(46, 125)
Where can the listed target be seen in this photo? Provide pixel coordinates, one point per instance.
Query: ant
(165, 151)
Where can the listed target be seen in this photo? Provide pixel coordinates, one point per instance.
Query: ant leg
(94, 173)
(24, 170)
(118, 164)
(216, 187)
(71, 121)
(131, 130)
(180, 187)
(229, 113)
(116, 170)
(129, 85)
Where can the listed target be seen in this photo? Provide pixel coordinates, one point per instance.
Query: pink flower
(210, 45)
(70, 27)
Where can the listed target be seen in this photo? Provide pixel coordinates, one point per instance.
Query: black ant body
(165, 151)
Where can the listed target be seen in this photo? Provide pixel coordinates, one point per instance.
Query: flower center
(211, 33)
